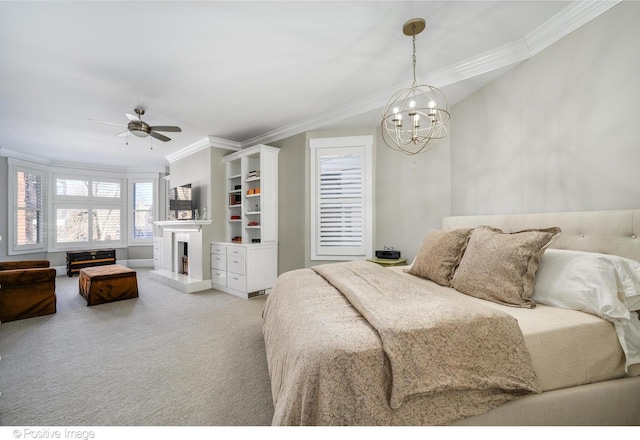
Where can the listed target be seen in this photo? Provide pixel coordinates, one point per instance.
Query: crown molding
(224, 143)
(209, 141)
(188, 150)
(6, 152)
(12, 154)
(566, 21)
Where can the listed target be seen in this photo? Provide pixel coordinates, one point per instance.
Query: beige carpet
(166, 358)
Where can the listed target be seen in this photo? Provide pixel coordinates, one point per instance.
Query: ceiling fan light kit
(136, 126)
(415, 117)
(141, 129)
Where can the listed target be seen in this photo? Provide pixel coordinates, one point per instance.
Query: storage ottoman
(103, 284)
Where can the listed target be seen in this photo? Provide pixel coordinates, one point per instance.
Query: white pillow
(609, 278)
(607, 286)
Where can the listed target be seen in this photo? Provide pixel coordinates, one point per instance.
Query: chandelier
(414, 117)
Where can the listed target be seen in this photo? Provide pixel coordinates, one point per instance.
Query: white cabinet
(252, 187)
(243, 270)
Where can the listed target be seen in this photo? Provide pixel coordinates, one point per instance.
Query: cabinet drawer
(235, 265)
(218, 249)
(219, 277)
(219, 261)
(235, 281)
(235, 251)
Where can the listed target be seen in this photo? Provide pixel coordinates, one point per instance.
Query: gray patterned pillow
(501, 267)
(439, 255)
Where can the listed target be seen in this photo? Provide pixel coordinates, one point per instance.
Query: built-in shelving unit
(252, 188)
(252, 223)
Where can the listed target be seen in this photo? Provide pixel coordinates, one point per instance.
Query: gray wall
(195, 170)
(206, 172)
(559, 132)
(292, 198)
(219, 195)
(411, 195)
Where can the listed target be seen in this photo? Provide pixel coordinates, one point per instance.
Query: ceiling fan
(139, 128)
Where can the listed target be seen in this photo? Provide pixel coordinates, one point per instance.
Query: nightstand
(389, 262)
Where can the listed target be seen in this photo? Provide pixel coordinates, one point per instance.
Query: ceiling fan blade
(165, 128)
(159, 136)
(132, 118)
(109, 123)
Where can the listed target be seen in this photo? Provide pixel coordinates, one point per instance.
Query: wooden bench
(103, 284)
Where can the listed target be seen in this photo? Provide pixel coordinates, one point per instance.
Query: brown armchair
(27, 289)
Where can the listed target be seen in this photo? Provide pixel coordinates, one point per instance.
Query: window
(87, 211)
(27, 219)
(341, 198)
(142, 193)
(57, 208)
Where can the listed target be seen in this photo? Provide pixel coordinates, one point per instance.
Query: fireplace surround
(183, 255)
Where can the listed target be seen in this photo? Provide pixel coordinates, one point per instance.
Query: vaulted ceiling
(234, 74)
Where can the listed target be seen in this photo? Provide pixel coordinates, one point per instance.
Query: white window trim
(15, 166)
(365, 146)
(140, 178)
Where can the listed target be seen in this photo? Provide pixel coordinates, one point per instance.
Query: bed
(526, 319)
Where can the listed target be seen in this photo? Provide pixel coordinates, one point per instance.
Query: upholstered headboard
(607, 232)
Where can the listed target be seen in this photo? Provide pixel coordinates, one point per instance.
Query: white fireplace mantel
(182, 225)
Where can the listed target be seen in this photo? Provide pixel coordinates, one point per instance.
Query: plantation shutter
(106, 224)
(106, 189)
(341, 209)
(341, 202)
(88, 211)
(29, 203)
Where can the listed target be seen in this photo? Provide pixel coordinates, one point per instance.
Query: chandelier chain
(415, 83)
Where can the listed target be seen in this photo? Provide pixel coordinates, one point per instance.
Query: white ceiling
(236, 73)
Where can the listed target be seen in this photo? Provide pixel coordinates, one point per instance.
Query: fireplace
(185, 255)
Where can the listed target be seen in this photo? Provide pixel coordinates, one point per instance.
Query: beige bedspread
(357, 344)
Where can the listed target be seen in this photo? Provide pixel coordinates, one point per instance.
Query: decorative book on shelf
(235, 199)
